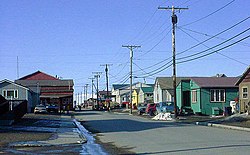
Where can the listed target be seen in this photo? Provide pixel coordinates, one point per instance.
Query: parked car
(40, 109)
(52, 108)
(141, 108)
(150, 109)
(164, 107)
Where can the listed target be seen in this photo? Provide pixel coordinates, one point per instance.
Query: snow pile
(238, 118)
(163, 116)
(89, 148)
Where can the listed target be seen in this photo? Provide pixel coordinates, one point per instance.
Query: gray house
(12, 91)
(163, 88)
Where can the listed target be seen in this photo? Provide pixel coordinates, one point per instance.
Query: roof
(167, 82)
(38, 75)
(11, 82)
(147, 89)
(45, 82)
(245, 75)
(118, 86)
(215, 81)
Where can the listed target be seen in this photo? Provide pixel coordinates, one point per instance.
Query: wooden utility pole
(107, 82)
(97, 76)
(174, 21)
(92, 90)
(131, 47)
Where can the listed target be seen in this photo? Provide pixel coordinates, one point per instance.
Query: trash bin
(229, 111)
(215, 111)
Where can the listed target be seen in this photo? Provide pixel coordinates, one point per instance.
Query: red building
(47, 89)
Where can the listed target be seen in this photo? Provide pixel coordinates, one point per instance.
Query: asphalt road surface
(140, 135)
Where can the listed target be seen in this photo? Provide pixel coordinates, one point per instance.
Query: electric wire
(215, 45)
(214, 35)
(209, 14)
(213, 51)
(216, 52)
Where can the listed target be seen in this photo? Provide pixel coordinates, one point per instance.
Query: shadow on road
(126, 125)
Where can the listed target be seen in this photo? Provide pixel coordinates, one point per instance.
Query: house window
(194, 96)
(244, 93)
(217, 95)
(10, 94)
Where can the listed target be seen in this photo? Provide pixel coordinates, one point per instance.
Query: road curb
(223, 126)
(77, 124)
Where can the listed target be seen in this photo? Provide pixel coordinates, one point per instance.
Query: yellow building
(135, 97)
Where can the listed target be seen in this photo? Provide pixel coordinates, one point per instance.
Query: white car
(40, 109)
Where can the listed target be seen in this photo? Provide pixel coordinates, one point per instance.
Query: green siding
(179, 95)
(207, 105)
(182, 86)
(196, 107)
(203, 104)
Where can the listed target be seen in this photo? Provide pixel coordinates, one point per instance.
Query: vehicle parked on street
(40, 109)
(52, 108)
(150, 109)
(164, 107)
(141, 109)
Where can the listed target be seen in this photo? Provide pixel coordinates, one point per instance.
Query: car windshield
(170, 104)
(164, 104)
(40, 106)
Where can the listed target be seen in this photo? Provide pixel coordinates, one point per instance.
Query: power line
(214, 51)
(208, 35)
(209, 14)
(156, 44)
(215, 35)
(215, 45)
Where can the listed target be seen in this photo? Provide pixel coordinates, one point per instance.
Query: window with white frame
(244, 93)
(11, 93)
(194, 96)
(217, 95)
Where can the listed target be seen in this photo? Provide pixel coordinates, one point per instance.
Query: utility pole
(17, 67)
(86, 91)
(174, 21)
(131, 47)
(92, 90)
(107, 84)
(97, 76)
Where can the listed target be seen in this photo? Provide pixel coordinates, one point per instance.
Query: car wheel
(155, 112)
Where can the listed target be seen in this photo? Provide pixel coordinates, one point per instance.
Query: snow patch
(89, 148)
(163, 116)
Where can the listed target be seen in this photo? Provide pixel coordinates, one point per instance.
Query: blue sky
(73, 38)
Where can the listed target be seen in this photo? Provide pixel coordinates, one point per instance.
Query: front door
(186, 99)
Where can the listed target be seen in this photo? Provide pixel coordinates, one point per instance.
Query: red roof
(38, 76)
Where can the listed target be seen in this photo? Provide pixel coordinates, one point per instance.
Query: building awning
(55, 96)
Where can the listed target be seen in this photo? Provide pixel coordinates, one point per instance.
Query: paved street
(144, 136)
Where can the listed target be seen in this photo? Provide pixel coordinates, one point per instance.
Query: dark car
(52, 108)
(141, 109)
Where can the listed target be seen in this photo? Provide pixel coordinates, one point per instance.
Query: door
(186, 99)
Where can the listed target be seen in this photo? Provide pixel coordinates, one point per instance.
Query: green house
(207, 95)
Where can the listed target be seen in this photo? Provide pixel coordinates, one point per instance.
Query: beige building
(244, 91)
